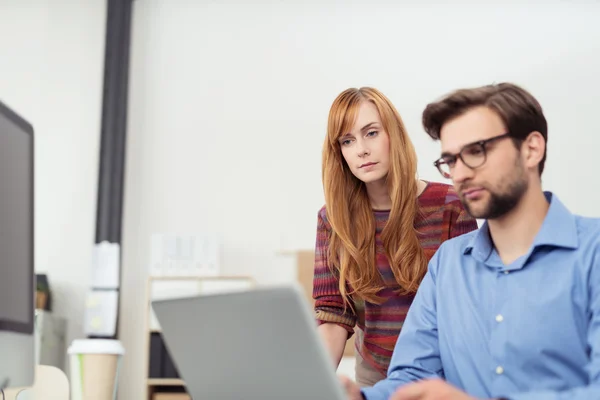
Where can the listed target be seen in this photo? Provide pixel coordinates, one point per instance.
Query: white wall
(51, 64)
(229, 103)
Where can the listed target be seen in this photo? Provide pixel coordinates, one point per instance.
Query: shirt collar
(559, 229)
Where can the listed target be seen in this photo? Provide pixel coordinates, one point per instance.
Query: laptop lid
(257, 344)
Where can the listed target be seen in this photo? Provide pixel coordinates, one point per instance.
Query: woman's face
(366, 148)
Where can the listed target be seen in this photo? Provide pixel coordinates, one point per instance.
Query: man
(511, 311)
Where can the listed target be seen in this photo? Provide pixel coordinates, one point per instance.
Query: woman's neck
(379, 196)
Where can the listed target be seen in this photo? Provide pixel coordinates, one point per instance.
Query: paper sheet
(105, 266)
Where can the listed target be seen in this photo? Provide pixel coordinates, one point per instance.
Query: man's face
(494, 188)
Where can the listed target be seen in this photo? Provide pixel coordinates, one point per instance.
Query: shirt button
(499, 370)
(499, 318)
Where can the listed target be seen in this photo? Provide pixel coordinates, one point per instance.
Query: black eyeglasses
(473, 155)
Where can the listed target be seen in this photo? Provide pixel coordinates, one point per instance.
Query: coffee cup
(95, 365)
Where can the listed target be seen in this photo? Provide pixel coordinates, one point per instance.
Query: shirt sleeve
(416, 354)
(461, 221)
(329, 304)
(592, 390)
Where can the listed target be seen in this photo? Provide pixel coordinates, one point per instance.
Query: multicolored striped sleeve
(329, 304)
(461, 221)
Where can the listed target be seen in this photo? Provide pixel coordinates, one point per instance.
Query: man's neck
(514, 233)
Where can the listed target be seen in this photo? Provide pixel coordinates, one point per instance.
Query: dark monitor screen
(16, 223)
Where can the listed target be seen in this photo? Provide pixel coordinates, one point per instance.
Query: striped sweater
(441, 216)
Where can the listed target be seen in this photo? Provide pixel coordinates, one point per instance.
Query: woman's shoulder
(323, 212)
(322, 216)
(439, 193)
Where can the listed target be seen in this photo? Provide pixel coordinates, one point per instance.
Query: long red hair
(351, 250)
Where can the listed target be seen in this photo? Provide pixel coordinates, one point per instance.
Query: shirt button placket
(498, 328)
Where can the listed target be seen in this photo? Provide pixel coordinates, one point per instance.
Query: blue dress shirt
(525, 331)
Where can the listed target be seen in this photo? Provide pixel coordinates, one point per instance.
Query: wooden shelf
(165, 382)
(201, 278)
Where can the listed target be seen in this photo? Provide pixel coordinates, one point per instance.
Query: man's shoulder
(586, 224)
(458, 244)
(588, 230)
(451, 252)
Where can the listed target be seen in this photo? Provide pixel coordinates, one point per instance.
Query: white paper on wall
(105, 265)
(184, 255)
(100, 316)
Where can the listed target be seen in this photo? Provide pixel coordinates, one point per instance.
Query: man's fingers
(346, 382)
(350, 387)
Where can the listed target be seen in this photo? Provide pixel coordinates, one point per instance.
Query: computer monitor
(17, 354)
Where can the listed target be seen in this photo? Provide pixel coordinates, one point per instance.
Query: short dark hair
(518, 109)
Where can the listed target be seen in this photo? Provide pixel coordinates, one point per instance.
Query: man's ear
(534, 148)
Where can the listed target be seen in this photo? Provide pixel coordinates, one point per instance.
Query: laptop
(257, 344)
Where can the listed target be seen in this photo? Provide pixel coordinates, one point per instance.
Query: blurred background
(226, 111)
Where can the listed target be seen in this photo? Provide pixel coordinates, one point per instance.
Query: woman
(377, 232)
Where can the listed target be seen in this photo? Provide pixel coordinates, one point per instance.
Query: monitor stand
(17, 360)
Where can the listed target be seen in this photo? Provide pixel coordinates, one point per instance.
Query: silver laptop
(258, 344)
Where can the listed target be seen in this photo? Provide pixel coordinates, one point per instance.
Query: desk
(50, 384)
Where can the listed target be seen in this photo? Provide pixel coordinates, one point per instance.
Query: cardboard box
(305, 261)
(171, 396)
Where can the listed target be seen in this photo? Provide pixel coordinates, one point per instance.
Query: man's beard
(501, 204)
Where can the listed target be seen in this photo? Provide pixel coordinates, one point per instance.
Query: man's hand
(351, 388)
(430, 389)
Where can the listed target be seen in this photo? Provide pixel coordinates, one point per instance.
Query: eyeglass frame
(455, 157)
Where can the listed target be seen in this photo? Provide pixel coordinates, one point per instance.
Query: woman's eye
(372, 133)
(345, 142)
